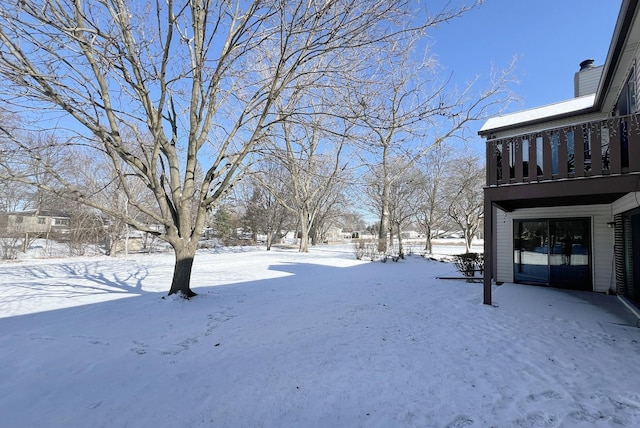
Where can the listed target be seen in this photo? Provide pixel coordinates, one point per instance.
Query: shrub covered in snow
(469, 263)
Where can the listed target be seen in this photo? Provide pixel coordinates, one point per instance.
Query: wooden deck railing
(603, 147)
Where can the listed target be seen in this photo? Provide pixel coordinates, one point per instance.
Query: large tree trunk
(468, 239)
(113, 246)
(269, 239)
(315, 236)
(304, 240)
(384, 218)
(304, 231)
(181, 283)
(428, 245)
(400, 247)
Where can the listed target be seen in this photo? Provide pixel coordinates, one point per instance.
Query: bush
(9, 248)
(367, 250)
(470, 263)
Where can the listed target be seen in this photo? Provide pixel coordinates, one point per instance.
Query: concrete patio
(589, 310)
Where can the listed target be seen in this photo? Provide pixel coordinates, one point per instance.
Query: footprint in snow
(460, 421)
(536, 420)
(543, 396)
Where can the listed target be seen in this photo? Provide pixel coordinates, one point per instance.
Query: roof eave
(487, 132)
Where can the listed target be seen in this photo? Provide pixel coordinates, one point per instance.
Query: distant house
(336, 234)
(412, 234)
(33, 223)
(562, 200)
(133, 241)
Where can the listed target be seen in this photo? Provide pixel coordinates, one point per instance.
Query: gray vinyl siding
(504, 246)
(602, 238)
(586, 81)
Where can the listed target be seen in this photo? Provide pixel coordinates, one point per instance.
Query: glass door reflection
(569, 265)
(531, 243)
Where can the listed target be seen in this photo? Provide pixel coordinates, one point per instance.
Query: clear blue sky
(549, 37)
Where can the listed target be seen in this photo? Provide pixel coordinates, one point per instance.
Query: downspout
(488, 249)
(488, 232)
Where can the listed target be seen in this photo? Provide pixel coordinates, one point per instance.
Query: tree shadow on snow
(71, 280)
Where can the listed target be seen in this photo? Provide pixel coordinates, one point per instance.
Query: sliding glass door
(531, 249)
(554, 252)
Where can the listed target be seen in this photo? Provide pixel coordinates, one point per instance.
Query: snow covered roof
(539, 113)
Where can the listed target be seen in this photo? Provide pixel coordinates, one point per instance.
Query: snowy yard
(282, 339)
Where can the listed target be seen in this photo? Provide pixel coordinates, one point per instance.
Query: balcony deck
(583, 163)
(589, 149)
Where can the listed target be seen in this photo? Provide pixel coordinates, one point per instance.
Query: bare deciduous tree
(263, 214)
(312, 157)
(309, 143)
(408, 112)
(265, 202)
(403, 196)
(431, 211)
(329, 213)
(170, 88)
(466, 198)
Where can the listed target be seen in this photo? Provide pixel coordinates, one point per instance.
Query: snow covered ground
(282, 339)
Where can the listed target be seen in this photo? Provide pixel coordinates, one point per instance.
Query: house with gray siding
(33, 223)
(562, 197)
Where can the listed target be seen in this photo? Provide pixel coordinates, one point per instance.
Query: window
(525, 158)
(555, 142)
(498, 153)
(539, 157)
(571, 155)
(512, 158)
(61, 222)
(586, 146)
(627, 100)
(604, 147)
(40, 220)
(19, 219)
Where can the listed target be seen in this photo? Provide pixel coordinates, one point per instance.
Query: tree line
(439, 195)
